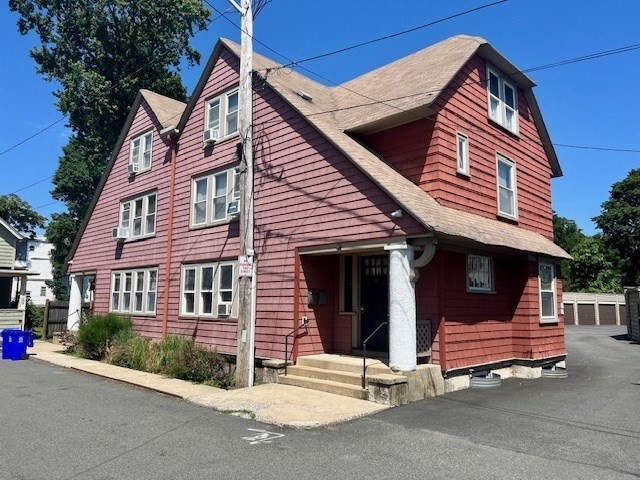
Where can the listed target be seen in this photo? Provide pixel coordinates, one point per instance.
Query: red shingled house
(418, 194)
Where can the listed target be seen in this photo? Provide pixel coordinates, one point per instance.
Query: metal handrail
(305, 323)
(364, 353)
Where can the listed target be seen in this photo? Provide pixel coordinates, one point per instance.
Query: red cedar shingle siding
(308, 194)
(97, 251)
(425, 152)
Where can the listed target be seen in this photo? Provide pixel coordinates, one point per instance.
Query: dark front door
(374, 301)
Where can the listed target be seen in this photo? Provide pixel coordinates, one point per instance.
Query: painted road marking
(262, 436)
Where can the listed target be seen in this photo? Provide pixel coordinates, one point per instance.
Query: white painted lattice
(423, 338)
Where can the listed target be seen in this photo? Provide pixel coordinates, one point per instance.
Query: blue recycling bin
(15, 343)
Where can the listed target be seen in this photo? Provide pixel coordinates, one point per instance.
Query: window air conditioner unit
(233, 210)
(133, 168)
(224, 310)
(211, 135)
(120, 233)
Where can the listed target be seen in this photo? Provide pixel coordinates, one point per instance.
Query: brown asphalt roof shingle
(443, 221)
(167, 110)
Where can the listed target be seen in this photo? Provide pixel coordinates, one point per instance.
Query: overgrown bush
(34, 316)
(95, 336)
(176, 357)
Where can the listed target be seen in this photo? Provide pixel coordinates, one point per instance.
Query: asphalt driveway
(591, 419)
(56, 423)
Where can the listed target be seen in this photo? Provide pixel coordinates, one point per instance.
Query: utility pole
(246, 260)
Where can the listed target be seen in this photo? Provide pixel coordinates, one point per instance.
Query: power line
(114, 86)
(32, 136)
(393, 35)
(583, 58)
(31, 185)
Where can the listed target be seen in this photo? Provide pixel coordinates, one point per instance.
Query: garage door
(586, 314)
(569, 317)
(607, 314)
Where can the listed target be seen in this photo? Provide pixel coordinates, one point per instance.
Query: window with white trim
(141, 151)
(222, 114)
(503, 100)
(479, 274)
(138, 216)
(134, 291)
(506, 184)
(462, 143)
(547, 275)
(209, 290)
(211, 196)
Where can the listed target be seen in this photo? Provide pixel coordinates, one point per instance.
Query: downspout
(296, 300)
(443, 320)
(167, 270)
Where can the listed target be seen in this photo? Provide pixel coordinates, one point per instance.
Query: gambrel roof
(445, 222)
(391, 95)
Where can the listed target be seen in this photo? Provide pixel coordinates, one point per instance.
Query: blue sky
(594, 103)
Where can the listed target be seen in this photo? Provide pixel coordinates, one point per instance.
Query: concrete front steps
(341, 375)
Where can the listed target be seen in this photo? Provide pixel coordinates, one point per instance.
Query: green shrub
(34, 316)
(175, 356)
(95, 336)
(185, 360)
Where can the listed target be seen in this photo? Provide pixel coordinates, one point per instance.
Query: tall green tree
(20, 215)
(591, 270)
(619, 221)
(567, 235)
(102, 52)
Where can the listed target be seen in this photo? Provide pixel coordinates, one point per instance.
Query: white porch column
(75, 302)
(402, 308)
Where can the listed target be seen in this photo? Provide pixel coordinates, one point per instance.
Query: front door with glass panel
(374, 301)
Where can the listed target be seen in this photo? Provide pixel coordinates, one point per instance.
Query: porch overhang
(377, 245)
(7, 272)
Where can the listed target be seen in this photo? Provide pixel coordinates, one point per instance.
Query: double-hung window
(209, 290)
(138, 216)
(211, 196)
(222, 114)
(507, 191)
(547, 275)
(503, 100)
(462, 144)
(134, 291)
(479, 274)
(141, 152)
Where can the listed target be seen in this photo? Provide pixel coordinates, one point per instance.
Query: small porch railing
(304, 324)
(364, 353)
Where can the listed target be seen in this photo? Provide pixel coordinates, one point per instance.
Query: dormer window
(141, 153)
(503, 100)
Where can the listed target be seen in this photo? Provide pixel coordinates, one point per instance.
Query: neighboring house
(12, 300)
(33, 254)
(418, 194)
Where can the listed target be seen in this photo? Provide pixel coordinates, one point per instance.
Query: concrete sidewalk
(276, 404)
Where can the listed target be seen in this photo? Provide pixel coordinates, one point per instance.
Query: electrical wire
(393, 35)
(114, 86)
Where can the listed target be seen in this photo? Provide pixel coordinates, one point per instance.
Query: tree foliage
(619, 221)
(566, 232)
(19, 214)
(101, 52)
(591, 270)
(593, 267)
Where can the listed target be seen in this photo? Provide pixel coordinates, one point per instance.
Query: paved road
(61, 424)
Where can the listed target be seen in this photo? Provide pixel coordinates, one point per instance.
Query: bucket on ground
(15, 343)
